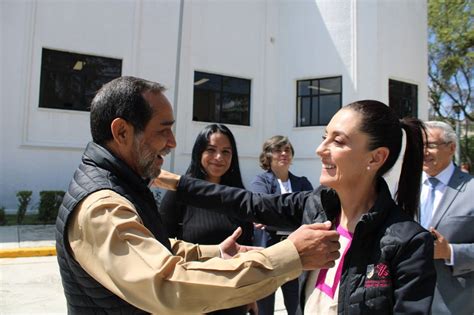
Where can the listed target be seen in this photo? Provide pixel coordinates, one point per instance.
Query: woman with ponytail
(385, 265)
(386, 258)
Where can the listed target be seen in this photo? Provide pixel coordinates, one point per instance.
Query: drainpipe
(177, 73)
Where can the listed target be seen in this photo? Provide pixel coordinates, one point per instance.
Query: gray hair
(448, 133)
(121, 98)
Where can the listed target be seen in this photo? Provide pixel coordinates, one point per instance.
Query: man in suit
(447, 210)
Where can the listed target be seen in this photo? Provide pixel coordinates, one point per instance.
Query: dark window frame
(311, 96)
(82, 75)
(220, 94)
(400, 101)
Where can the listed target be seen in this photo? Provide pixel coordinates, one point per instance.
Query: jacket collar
(456, 184)
(96, 154)
(444, 176)
(295, 183)
(370, 220)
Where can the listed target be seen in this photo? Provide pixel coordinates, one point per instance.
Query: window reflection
(221, 99)
(403, 98)
(70, 80)
(318, 100)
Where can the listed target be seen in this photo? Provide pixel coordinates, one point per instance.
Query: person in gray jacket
(447, 210)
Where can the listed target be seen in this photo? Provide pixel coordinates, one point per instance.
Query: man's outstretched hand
(229, 247)
(317, 245)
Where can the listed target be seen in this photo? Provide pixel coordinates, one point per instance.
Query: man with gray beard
(113, 251)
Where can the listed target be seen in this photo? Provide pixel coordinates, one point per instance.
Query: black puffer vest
(100, 170)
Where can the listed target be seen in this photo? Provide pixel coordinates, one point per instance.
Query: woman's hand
(166, 180)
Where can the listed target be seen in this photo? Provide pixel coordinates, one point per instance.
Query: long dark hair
(232, 177)
(384, 129)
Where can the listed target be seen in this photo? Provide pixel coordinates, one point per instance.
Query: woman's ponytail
(408, 193)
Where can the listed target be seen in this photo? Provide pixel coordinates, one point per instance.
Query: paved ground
(32, 285)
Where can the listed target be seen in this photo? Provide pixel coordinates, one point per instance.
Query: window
(317, 100)
(221, 99)
(403, 98)
(70, 81)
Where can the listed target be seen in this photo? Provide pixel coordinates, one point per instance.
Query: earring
(368, 168)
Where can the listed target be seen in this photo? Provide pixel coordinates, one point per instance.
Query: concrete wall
(273, 43)
(228, 38)
(41, 147)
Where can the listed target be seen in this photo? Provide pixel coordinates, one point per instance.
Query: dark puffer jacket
(389, 267)
(100, 170)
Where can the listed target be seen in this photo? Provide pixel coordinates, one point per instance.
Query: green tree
(451, 57)
(451, 61)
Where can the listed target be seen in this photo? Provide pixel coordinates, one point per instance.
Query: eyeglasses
(434, 145)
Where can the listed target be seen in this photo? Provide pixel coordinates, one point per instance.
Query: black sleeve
(283, 211)
(172, 213)
(415, 278)
(306, 184)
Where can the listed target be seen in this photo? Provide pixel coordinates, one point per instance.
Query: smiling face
(281, 158)
(217, 157)
(438, 153)
(344, 152)
(150, 146)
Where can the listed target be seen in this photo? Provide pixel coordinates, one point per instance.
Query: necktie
(427, 210)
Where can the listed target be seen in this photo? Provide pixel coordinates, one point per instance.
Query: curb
(28, 252)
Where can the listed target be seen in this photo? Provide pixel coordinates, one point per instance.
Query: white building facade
(274, 44)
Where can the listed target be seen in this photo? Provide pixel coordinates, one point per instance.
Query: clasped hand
(317, 245)
(442, 250)
(229, 247)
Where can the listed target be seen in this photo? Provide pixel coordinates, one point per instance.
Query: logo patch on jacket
(377, 276)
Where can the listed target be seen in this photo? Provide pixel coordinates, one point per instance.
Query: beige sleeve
(110, 242)
(192, 252)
